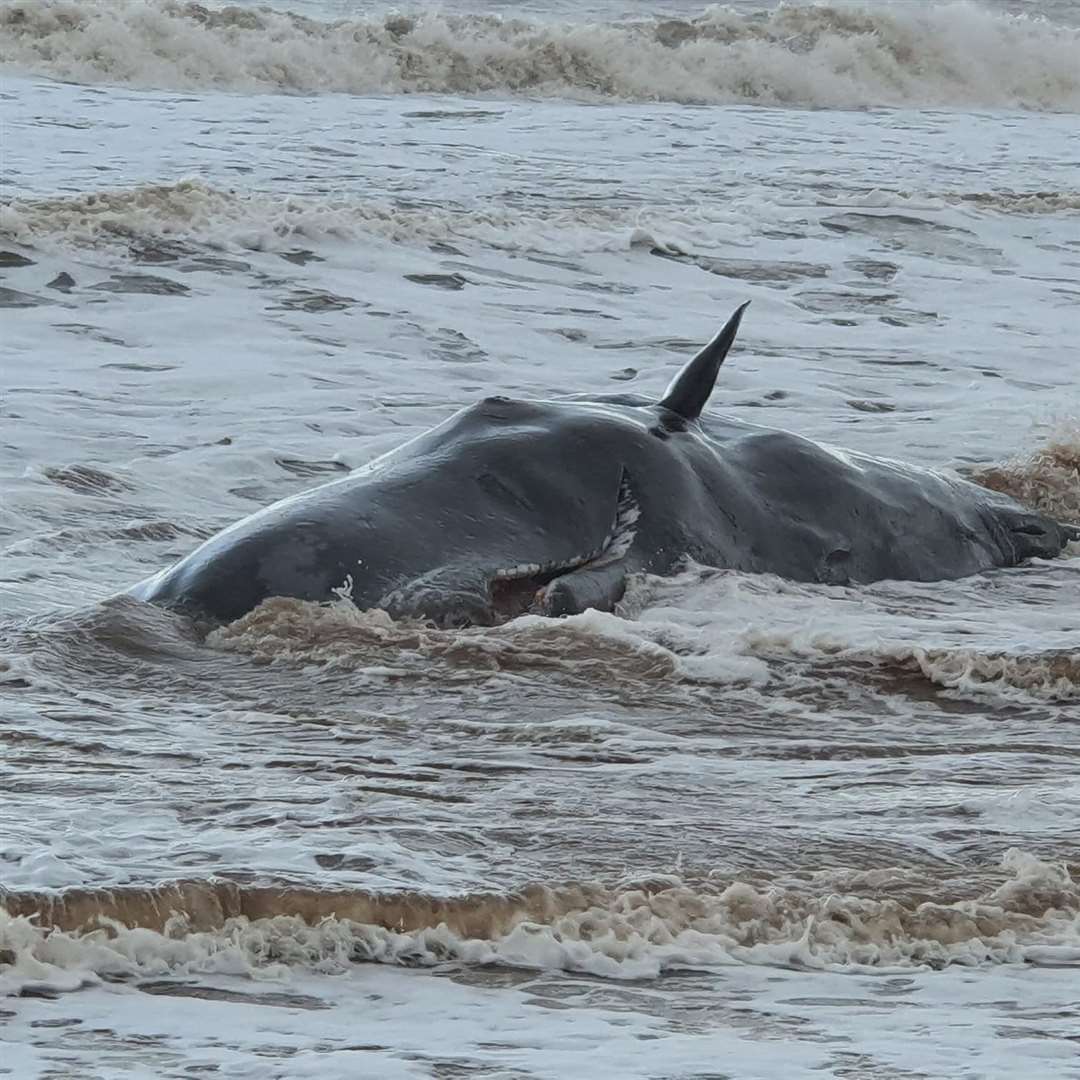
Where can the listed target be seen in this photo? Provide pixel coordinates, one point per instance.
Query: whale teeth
(522, 570)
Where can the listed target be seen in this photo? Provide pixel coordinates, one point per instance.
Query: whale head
(509, 506)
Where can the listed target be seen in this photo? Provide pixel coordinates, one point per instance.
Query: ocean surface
(742, 827)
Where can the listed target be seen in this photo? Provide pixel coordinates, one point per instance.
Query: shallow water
(742, 826)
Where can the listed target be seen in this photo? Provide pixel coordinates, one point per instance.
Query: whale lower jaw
(527, 587)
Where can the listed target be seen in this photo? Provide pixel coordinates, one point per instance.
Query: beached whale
(512, 506)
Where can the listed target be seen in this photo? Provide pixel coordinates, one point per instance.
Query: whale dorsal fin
(690, 389)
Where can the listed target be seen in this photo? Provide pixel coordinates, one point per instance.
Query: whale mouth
(517, 590)
(456, 596)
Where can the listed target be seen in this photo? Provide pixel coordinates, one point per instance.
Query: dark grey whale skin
(423, 530)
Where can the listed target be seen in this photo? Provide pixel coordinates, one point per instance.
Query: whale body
(512, 506)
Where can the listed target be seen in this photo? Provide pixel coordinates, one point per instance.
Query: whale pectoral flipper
(600, 587)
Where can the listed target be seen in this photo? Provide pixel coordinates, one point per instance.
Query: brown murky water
(741, 827)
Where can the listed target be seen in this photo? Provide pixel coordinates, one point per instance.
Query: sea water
(740, 827)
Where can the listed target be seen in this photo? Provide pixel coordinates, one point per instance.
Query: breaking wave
(634, 656)
(872, 920)
(340, 636)
(193, 212)
(1054, 675)
(882, 54)
(1047, 478)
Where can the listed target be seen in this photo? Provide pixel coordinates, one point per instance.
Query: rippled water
(740, 827)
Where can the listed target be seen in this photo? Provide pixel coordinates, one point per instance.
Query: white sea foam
(884, 54)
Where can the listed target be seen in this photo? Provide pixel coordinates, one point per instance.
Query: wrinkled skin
(511, 506)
